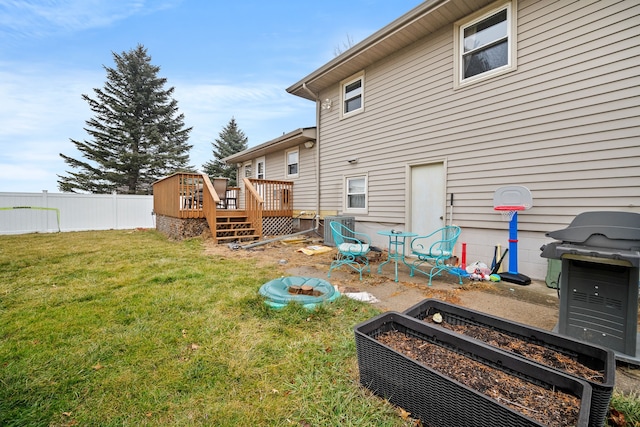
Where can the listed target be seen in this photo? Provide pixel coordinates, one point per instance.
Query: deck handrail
(210, 202)
(254, 205)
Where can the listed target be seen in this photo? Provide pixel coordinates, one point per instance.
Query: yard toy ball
(510, 200)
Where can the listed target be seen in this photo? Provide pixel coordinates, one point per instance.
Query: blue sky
(224, 58)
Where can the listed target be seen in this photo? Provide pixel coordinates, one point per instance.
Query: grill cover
(600, 253)
(601, 234)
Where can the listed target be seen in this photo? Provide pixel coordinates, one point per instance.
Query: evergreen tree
(137, 134)
(231, 140)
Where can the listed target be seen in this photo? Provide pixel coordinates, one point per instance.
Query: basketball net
(508, 212)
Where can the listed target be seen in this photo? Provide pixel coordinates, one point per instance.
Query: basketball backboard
(512, 197)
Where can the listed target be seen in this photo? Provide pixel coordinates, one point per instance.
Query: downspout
(317, 145)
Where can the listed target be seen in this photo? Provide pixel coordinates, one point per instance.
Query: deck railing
(189, 195)
(277, 195)
(184, 195)
(253, 206)
(210, 205)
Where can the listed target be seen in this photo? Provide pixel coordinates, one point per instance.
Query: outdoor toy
(509, 201)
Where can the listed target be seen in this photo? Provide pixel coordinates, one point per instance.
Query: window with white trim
(247, 170)
(292, 163)
(356, 193)
(486, 43)
(352, 91)
(260, 166)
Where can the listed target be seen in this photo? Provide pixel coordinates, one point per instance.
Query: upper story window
(352, 91)
(292, 163)
(486, 43)
(356, 193)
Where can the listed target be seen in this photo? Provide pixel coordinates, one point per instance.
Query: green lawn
(126, 328)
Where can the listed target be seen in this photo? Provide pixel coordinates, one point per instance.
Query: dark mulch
(538, 353)
(549, 407)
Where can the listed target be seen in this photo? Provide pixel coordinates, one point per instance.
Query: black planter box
(592, 356)
(438, 400)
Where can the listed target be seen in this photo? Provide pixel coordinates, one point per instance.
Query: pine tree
(137, 134)
(231, 140)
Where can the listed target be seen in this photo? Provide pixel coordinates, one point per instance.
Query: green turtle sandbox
(307, 291)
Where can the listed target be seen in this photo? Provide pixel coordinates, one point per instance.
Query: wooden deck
(187, 195)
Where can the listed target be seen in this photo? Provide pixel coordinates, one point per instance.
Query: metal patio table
(397, 244)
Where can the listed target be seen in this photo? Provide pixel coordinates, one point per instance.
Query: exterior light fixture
(309, 144)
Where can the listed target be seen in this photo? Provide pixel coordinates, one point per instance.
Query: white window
(260, 166)
(486, 43)
(356, 193)
(292, 163)
(247, 170)
(352, 91)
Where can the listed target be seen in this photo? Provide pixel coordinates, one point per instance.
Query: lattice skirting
(277, 225)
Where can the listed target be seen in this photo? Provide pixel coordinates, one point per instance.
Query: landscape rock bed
(447, 379)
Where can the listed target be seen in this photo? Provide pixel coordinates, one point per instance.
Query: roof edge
(392, 28)
(297, 136)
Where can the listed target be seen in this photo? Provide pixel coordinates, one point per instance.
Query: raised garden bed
(409, 362)
(593, 364)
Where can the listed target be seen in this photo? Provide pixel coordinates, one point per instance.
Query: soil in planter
(531, 351)
(549, 407)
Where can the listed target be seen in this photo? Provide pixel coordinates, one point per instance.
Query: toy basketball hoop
(509, 201)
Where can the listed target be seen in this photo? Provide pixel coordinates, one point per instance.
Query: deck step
(234, 228)
(245, 238)
(232, 225)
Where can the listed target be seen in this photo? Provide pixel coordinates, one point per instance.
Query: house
(292, 158)
(419, 124)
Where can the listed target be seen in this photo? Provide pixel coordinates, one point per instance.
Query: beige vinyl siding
(304, 186)
(565, 123)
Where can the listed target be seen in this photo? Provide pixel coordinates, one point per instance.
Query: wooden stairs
(232, 226)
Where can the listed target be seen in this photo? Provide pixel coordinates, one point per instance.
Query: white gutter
(317, 153)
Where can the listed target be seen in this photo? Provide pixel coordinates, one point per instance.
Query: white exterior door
(427, 198)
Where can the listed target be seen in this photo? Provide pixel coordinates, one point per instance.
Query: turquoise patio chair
(433, 250)
(353, 248)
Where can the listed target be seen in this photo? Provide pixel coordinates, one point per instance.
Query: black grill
(600, 253)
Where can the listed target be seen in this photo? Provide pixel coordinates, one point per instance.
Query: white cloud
(38, 98)
(42, 109)
(263, 112)
(39, 18)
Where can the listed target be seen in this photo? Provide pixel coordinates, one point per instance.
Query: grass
(629, 406)
(126, 328)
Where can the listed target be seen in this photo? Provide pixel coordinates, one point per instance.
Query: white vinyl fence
(45, 212)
